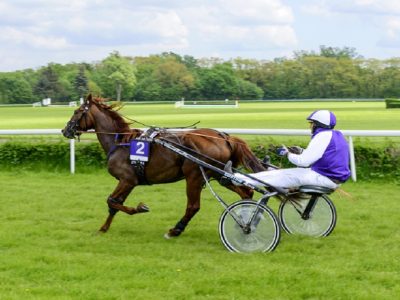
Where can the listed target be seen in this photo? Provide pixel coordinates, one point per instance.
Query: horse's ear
(88, 98)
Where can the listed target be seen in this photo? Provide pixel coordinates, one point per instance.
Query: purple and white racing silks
(325, 162)
(327, 154)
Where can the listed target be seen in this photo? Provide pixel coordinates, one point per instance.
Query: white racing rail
(292, 132)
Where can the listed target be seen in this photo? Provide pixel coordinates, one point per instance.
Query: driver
(325, 161)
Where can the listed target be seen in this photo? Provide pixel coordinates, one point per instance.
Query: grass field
(351, 115)
(49, 249)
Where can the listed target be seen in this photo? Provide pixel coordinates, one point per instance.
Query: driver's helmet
(323, 119)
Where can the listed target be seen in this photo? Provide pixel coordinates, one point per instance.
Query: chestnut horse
(164, 165)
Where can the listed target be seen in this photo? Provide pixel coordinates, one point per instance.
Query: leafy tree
(163, 77)
(81, 82)
(330, 72)
(174, 79)
(332, 52)
(336, 52)
(94, 88)
(190, 62)
(48, 85)
(248, 90)
(218, 82)
(148, 89)
(115, 74)
(389, 79)
(14, 89)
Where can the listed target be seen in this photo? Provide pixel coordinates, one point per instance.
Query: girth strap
(138, 167)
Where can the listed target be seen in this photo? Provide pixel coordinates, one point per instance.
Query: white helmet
(323, 118)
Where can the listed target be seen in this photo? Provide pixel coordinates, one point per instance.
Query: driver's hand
(295, 149)
(282, 151)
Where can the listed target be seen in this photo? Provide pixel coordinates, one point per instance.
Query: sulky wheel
(247, 227)
(318, 220)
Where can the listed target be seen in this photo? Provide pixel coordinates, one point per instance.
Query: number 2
(140, 148)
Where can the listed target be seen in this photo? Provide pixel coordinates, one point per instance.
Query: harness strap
(111, 151)
(138, 167)
(225, 136)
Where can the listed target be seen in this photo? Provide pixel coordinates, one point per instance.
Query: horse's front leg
(193, 192)
(115, 203)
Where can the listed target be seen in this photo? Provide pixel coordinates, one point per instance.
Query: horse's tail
(242, 154)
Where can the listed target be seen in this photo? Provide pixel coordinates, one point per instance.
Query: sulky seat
(315, 189)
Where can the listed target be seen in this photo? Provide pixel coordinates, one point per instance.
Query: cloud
(90, 29)
(241, 26)
(371, 7)
(391, 37)
(389, 7)
(127, 28)
(257, 11)
(356, 7)
(383, 16)
(9, 35)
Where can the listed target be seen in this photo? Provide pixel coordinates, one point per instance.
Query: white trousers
(290, 178)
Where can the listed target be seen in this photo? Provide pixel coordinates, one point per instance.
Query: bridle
(72, 129)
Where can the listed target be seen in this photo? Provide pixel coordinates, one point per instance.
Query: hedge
(370, 162)
(52, 156)
(392, 103)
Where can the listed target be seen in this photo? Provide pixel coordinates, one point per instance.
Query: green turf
(285, 115)
(49, 249)
(351, 115)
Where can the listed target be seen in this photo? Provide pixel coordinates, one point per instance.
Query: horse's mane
(112, 110)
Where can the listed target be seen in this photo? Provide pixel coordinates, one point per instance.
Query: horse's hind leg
(194, 186)
(243, 191)
(115, 203)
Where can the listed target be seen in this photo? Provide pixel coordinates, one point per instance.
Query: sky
(37, 32)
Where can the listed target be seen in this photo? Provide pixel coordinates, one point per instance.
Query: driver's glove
(295, 149)
(282, 151)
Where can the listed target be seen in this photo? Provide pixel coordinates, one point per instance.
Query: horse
(164, 165)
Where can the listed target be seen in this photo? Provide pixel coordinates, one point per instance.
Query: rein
(193, 151)
(150, 126)
(163, 129)
(190, 133)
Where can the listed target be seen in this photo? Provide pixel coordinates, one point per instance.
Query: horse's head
(80, 120)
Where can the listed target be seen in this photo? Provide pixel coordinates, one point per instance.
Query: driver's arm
(314, 151)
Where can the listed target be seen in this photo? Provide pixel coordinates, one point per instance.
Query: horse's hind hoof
(171, 234)
(102, 230)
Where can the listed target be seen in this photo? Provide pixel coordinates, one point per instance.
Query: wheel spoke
(261, 235)
(321, 220)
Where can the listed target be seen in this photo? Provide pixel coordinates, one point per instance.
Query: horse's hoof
(172, 234)
(142, 208)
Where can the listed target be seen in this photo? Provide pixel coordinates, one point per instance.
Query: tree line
(329, 73)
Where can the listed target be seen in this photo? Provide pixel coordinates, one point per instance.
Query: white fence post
(352, 160)
(72, 155)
